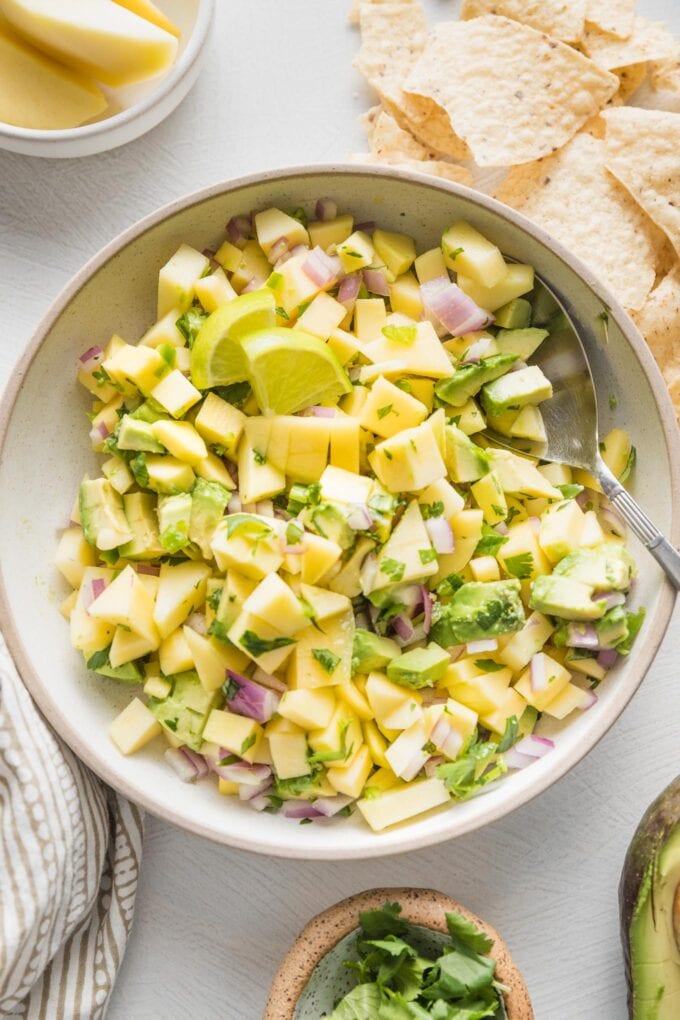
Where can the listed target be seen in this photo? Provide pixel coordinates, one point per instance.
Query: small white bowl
(141, 107)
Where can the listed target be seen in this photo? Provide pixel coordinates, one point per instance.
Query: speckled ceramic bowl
(44, 452)
(133, 110)
(312, 976)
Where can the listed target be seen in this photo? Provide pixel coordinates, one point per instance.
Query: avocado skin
(657, 825)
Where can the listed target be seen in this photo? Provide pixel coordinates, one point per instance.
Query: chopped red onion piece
(91, 357)
(446, 739)
(180, 764)
(427, 608)
(515, 760)
(260, 803)
(254, 284)
(583, 498)
(278, 250)
(247, 791)
(607, 658)
(413, 767)
(539, 680)
(295, 550)
(326, 209)
(611, 598)
(251, 699)
(197, 760)
(148, 568)
(403, 627)
(501, 528)
(349, 288)
(317, 411)
(360, 519)
(441, 534)
(418, 635)
(483, 645)
(209, 253)
(234, 506)
(329, 806)
(197, 622)
(98, 586)
(477, 350)
(239, 772)
(367, 226)
(322, 269)
(432, 763)
(103, 429)
(452, 307)
(614, 521)
(591, 699)
(238, 230)
(267, 680)
(300, 809)
(582, 635)
(535, 746)
(376, 282)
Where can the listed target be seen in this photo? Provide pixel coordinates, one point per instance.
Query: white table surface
(212, 923)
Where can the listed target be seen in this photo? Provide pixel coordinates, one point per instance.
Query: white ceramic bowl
(44, 452)
(139, 107)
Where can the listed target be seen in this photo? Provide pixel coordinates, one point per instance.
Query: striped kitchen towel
(70, 852)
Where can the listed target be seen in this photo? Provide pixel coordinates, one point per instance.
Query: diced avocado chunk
(479, 610)
(613, 627)
(174, 514)
(512, 392)
(137, 434)
(515, 315)
(606, 567)
(208, 503)
(522, 342)
(371, 652)
(468, 380)
(421, 667)
(149, 411)
(565, 597)
(527, 721)
(101, 514)
(140, 510)
(466, 462)
(330, 522)
(128, 673)
(185, 711)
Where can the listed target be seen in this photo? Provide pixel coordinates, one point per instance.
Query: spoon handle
(661, 549)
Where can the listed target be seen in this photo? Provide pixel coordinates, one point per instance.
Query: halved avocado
(649, 905)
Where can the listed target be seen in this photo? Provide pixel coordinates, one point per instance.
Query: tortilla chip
(650, 40)
(353, 16)
(643, 153)
(614, 16)
(665, 75)
(435, 167)
(393, 36)
(389, 141)
(562, 19)
(574, 198)
(513, 94)
(630, 80)
(659, 322)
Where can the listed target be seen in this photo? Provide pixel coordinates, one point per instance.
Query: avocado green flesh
(371, 651)
(655, 958)
(468, 380)
(480, 610)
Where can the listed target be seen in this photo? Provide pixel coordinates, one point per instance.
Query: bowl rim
(402, 840)
(167, 84)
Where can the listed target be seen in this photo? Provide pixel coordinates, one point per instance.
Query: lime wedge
(216, 357)
(289, 369)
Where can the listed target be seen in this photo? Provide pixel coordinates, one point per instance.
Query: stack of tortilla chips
(539, 88)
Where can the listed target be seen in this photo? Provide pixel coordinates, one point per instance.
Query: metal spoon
(571, 424)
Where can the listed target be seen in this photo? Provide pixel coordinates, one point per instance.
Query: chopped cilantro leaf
(384, 411)
(259, 457)
(214, 599)
(570, 491)
(190, 323)
(394, 569)
(235, 394)
(405, 335)
(429, 510)
(139, 470)
(490, 542)
(450, 585)
(630, 464)
(326, 659)
(256, 645)
(520, 566)
(248, 743)
(488, 665)
(427, 555)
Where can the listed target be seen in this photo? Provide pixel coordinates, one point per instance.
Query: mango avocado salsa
(332, 591)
